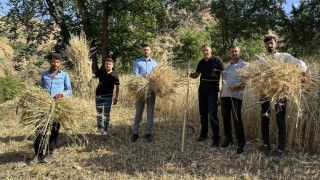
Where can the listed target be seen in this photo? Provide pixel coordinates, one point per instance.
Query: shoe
(215, 144)
(201, 139)
(149, 137)
(47, 159)
(240, 150)
(35, 160)
(226, 144)
(265, 150)
(104, 136)
(278, 156)
(135, 137)
(98, 133)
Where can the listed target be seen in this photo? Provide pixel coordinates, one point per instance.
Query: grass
(118, 158)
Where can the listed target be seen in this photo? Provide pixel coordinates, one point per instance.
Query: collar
(240, 61)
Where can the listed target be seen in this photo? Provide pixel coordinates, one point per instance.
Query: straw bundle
(277, 79)
(78, 52)
(138, 86)
(164, 81)
(38, 109)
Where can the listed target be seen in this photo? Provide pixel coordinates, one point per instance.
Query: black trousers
(280, 107)
(41, 144)
(208, 108)
(233, 106)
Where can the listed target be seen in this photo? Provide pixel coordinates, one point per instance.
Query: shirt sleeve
(136, 68)
(297, 61)
(116, 78)
(221, 65)
(67, 85)
(42, 80)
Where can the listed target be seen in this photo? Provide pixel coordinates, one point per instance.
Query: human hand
(115, 101)
(230, 88)
(58, 96)
(188, 72)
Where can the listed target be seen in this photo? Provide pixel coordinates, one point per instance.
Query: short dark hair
(234, 47)
(205, 45)
(109, 60)
(146, 45)
(269, 38)
(54, 56)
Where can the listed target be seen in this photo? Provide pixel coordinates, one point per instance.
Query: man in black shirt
(104, 92)
(210, 68)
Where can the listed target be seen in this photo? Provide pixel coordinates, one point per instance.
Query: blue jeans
(105, 104)
(208, 107)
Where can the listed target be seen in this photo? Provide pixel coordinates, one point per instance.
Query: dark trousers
(208, 107)
(280, 118)
(233, 106)
(41, 144)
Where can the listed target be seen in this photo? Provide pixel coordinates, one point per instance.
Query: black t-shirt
(210, 74)
(106, 83)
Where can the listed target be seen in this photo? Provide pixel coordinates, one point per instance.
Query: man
(270, 43)
(58, 85)
(231, 100)
(210, 68)
(143, 67)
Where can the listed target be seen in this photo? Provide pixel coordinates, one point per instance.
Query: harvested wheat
(78, 52)
(164, 81)
(38, 109)
(138, 86)
(277, 79)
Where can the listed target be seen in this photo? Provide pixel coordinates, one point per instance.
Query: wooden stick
(185, 112)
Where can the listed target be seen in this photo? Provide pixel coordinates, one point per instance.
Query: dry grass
(37, 109)
(163, 82)
(78, 52)
(118, 158)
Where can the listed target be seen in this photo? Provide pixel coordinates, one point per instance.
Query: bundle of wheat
(138, 86)
(78, 52)
(38, 110)
(164, 81)
(277, 79)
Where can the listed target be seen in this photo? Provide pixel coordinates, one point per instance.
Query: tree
(301, 31)
(115, 28)
(240, 19)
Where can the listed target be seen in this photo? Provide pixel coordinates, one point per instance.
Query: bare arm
(117, 94)
(192, 75)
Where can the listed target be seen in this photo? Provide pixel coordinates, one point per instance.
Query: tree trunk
(105, 30)
(86, 27)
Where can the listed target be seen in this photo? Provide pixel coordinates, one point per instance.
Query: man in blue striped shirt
(58, 85)
(143, 67)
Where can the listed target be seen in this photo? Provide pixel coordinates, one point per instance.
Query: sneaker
(149, 137)
(98, 133)
(104, 136)
(201, 139)
(135, 137)
(226, 144)
(215, 144)
(47, 159)
(278, 156)
(34, 161)
(240, 150)
(265, 150)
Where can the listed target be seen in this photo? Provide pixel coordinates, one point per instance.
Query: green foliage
(240, 19)
(10, 88)
(191, 38)
(251, 47)
(301, 31)
(18, 47)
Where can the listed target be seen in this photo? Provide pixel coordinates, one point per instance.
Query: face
(108, 65)
(146, 51)
(206, 52)
(55, 64)
(234, 53)
(270, 46)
